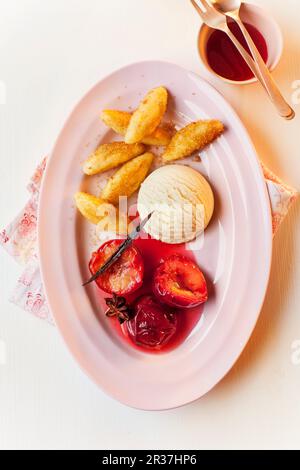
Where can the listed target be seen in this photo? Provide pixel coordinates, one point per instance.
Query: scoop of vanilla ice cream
(181, 200)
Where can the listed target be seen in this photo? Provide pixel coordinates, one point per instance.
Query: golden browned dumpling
(128, 178)
(119, 122)
(101, 213)
(194, 136)
(112, 220)
(108, 156)
(148, 116)
(116, 120)
(88, 206)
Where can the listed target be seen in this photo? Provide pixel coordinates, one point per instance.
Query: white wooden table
(51, 52)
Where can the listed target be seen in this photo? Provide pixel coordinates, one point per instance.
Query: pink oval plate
(235, 252)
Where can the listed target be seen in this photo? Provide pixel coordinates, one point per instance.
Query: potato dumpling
(119, 122)
(87, 204)
(148, 115)
(108, 156)
(111, 220)
(101, 213)
(128, 178)
(194, 136)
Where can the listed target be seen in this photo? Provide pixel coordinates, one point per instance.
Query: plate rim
(42, 196)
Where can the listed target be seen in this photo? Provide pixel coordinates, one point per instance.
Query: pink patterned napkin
(20, 240)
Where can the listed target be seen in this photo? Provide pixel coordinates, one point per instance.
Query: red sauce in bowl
(224, 58)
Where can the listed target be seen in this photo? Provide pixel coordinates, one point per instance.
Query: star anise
(118, 307)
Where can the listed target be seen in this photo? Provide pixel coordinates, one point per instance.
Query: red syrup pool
(153, 252)
(224, 58)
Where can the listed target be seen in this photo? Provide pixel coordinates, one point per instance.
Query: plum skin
(125, 275)
(179, 282)
(153, 325)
